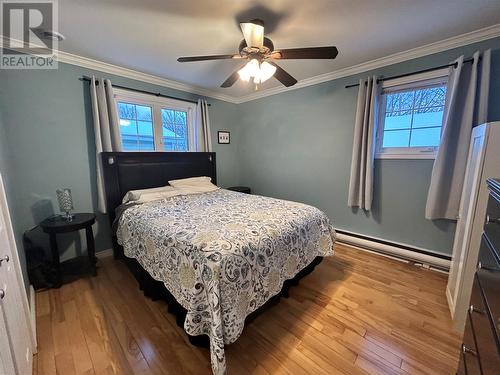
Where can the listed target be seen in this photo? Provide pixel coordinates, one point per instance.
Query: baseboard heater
(426, 258)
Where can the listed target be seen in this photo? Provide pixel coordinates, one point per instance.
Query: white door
(6, 358)
(465, 221)
(13, 302)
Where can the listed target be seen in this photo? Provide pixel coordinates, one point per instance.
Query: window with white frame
(151, 123)
(411, 116)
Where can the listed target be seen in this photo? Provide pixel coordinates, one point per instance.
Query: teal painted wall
(47, 122)
(5, 171)
(297, 145)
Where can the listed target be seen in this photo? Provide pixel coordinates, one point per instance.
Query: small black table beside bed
(125, 171)
(58, 224)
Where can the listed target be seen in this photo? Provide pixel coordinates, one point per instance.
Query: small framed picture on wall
(224, 137)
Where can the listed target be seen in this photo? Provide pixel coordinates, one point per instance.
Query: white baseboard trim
(104, 254)
(424, 257)
(33, 318)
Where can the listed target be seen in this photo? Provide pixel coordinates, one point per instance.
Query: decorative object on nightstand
(224, 137)
(59, 224)
(65, 201)
(240, 189)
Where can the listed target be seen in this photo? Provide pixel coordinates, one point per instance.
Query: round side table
(58, 224)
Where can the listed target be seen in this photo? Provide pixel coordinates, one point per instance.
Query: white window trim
(157, 103)
(426, 79)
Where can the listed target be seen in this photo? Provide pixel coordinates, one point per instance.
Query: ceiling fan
(260, 52)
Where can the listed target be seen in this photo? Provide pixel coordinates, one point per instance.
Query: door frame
(4, 211)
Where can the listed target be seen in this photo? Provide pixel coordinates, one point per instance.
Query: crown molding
(425, 50)
(101, 66)
(428, 49)
(85, 62)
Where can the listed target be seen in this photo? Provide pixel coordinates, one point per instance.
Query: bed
(220, 255)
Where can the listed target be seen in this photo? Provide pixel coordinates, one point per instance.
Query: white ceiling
(149, 35)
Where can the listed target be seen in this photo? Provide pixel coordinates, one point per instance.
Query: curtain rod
(416, 72)
(88, 79)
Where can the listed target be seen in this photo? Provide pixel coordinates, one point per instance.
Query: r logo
(23, 26)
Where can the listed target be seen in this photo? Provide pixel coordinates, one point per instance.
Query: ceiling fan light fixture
(256, 48)
(266, 71)
(260, 72)
(251, 69)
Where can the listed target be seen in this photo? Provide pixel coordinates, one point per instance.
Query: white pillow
(135, 195)
(194, 185)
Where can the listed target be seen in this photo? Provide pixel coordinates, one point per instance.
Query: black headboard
(124, 171)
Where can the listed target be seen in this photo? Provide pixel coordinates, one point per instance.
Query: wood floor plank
(46, 354)
(357, 313)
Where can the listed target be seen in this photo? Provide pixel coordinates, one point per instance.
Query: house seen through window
(149, 123)
(136, 127)
(411, 119)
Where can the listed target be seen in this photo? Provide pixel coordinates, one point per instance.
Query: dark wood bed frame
(124, 171)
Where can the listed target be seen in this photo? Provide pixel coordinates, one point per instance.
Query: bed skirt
(156, 290)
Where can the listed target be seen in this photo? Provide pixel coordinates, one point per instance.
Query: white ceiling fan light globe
(244, 74)
(256, 79)
(249, 70)
(253, 67)
(266, 71)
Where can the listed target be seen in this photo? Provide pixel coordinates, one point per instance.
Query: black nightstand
(58, 224)
(240, 189)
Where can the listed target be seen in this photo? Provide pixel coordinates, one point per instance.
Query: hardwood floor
(357, 313)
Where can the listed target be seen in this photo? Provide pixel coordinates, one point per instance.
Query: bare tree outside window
(413, 118)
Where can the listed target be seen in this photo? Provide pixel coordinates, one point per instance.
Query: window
(175, 130)
(136, 127)
(150, 123)
(411, 116)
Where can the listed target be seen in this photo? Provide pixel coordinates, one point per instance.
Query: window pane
(396, 138)
(167, 115)
(174, 128)
(145, 128)
(168, 144)
(180, 117)
(136, 135)
(399, 101)
(143, 113)
(397, 120)
(430, 97)
(414, 118)
(425, 119)
(127, 111)
(429, 137)
(128, 127)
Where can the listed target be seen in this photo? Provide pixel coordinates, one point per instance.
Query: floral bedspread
(223, 254)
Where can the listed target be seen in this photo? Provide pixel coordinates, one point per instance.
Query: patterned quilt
(223, 254)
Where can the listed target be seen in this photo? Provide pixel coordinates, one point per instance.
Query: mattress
(223, 254)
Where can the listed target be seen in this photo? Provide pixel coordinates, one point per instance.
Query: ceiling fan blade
(232, 78)
(306, 53)
(253, 32)
(282, 75)
(206, 58)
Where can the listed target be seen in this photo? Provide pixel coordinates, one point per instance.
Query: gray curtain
(203, 138)
(363, 150)
(466, 106)
(106, 129)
